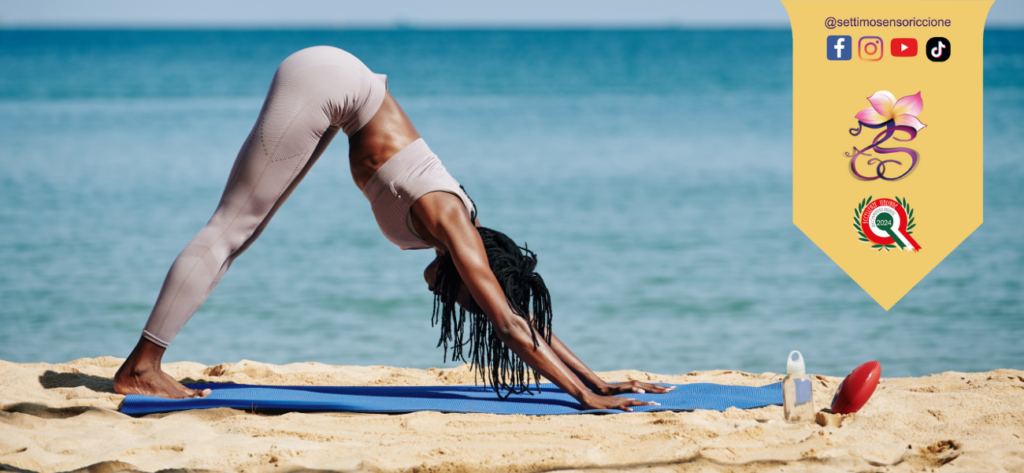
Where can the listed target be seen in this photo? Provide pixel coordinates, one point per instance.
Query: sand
(64, 417)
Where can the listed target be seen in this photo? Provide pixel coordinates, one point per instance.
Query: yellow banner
(887, 134)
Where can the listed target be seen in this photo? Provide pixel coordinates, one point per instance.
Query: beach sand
(64, 417)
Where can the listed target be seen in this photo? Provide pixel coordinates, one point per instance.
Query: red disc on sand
(857, 388)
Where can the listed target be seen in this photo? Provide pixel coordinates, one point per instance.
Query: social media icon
(870, 48)
(938, 49)
(839, 48)
(903, 47)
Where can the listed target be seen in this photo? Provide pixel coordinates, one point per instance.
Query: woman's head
(430, 276)
(513, 266)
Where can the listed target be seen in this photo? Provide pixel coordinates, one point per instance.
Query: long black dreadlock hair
(497, 364)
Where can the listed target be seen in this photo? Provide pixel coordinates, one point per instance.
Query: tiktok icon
(938, 49)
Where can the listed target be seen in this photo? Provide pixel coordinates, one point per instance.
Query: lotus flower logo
(895, 116)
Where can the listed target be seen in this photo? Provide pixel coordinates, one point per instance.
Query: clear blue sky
(423, 13)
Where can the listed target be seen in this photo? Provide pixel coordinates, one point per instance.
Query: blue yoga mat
(463, 399)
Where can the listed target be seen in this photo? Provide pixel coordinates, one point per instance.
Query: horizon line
(424, 26)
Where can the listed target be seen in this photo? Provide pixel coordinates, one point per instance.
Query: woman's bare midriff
(387, 133)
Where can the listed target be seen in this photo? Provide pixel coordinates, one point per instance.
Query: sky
(416, 13)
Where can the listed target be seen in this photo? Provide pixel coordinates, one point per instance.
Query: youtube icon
(903, 47)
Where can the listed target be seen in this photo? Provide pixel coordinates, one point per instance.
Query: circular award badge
(886, 223)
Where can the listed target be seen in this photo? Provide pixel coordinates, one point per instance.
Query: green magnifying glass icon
(884, 222)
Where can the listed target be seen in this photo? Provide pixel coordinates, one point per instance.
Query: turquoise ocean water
(650, 171)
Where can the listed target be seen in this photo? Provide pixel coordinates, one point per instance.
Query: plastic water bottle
(796, 391)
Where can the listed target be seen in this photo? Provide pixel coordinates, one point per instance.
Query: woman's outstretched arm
(444, 216)
(595, 383)
(589, 378)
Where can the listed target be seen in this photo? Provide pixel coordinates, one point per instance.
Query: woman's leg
(292, 131)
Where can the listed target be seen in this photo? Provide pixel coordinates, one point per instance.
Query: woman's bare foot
(141, 374)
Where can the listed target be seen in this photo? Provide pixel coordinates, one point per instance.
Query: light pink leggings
(315, 92)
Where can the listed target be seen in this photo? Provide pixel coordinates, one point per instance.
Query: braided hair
(496, 363)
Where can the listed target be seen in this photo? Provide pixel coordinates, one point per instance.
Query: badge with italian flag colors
(886, 223)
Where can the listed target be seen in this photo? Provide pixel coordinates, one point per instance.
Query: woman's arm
(589, 378)
(445, 218)
(595, 383)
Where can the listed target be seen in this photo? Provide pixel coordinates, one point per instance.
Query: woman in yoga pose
(315, 93)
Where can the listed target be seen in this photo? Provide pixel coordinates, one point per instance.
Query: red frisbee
(857, 388)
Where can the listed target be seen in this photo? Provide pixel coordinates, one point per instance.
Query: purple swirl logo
(895, 116)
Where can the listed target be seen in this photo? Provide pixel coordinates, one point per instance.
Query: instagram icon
(869, 48)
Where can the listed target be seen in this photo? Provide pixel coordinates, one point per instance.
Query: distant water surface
(649, 170)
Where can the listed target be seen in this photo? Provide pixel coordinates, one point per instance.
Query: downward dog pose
(315, 93)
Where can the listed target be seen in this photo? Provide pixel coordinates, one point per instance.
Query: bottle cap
(795, 366)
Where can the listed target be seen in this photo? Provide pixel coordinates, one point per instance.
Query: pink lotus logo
(895, 116)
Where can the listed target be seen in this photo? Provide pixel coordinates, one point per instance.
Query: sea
(650, 170)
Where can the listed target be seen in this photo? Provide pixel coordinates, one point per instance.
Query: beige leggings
(315, 92)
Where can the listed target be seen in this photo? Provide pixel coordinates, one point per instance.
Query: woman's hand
(595, 401)
(634, 387)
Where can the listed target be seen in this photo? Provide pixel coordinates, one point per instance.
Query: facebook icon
(839, 48)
